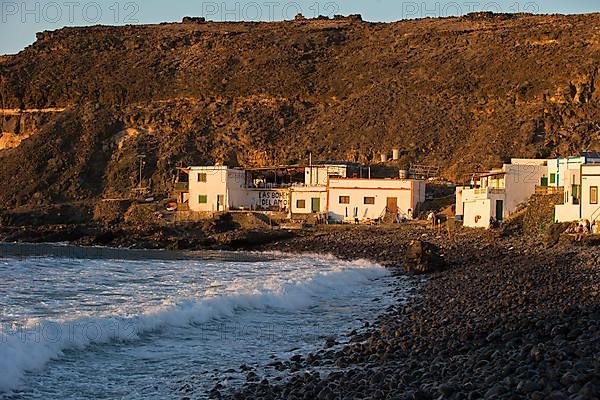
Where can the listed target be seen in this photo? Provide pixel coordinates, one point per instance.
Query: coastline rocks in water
(508, 320)
(423, 257)
(250, 239)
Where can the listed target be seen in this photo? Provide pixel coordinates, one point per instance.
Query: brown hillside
(464, 93)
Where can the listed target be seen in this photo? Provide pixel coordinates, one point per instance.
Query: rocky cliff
(81, 104)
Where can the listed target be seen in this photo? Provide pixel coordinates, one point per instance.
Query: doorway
(315, 205)
(392, 204)
(499, 210)
(220, 202)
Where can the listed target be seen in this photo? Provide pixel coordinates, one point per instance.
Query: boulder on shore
(423, 257)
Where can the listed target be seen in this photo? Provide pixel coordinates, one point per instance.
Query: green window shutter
(202, 199)
(552, 178)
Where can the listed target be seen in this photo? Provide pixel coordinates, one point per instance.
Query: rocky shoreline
(510, 318)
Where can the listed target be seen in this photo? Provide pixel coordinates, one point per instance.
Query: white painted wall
(478, 213)
(408, 193)
(459, 200)
(236, 189)
(307, 193)
(564, 168)
(567, 212)
(514, 184)
(316, 175)
(520, 181)
(220, 181)
(590, 177)
(268, 199)
(480, 204)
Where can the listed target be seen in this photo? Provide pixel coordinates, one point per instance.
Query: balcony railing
(489, 190)
(549, 190)
(182, 186)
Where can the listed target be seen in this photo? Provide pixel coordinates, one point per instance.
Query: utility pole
(141, 158)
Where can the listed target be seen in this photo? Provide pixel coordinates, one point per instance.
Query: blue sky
(20, 20)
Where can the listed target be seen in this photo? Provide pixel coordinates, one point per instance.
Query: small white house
(356, 199)
(308, 199)
(568, 174)
(580, 195)
(216, 188)
(590, 182)
(499, 192)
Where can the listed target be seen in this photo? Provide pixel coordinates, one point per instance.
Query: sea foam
(31, 346)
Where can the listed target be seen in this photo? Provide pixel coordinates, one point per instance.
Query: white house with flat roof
(222, 188)
(311, 198)
(357, 199)
(590, 182)
(498, 193)
(568, 175)
(216, 188)
(308, 199)
(579, 178)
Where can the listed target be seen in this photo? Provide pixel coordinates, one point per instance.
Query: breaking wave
(31, 346)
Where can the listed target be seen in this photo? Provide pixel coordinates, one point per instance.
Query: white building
(499, 192)
(325, 189)
(311, 198)
(308, 199)
(318, 174)
(568, 175)
(216, 188)
(590, 182)
(579, 178)
(356, 199)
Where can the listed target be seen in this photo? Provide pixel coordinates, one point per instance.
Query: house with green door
(572, 176)
(498, 193)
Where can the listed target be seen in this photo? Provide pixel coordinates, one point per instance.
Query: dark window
(300, 203)
(594, 195)
(344, 199)
(369, 200)
(575, 190)
(202, 177)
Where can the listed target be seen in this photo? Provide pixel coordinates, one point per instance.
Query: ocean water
(80, 323)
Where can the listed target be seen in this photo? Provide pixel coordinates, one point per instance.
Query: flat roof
(273, 168)
(213, 167)
(374, 179)
(491, 173)
(336, 163)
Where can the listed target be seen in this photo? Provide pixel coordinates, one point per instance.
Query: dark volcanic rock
(507, 319)
(263, 93)
(422, 257)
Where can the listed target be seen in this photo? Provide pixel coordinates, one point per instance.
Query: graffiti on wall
(271, 199)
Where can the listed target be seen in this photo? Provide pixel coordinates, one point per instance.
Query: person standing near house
(580, 232)
(431, 219)
(409, 214)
